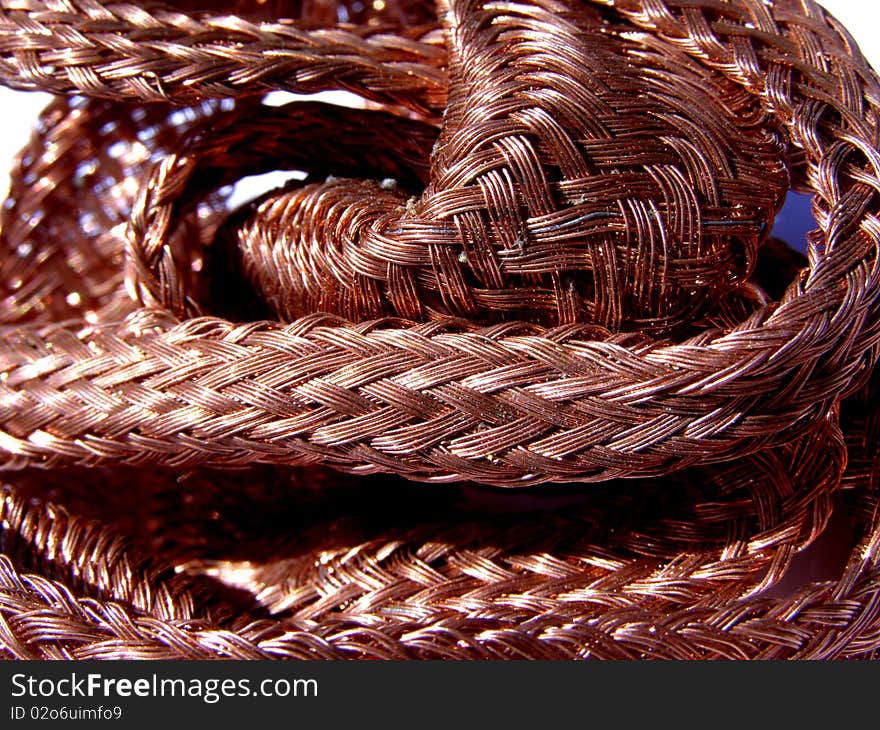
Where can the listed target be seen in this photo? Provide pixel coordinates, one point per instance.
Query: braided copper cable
(379, 583)
(155, 52)
(83, 164)
(564, 277)
(502, 405)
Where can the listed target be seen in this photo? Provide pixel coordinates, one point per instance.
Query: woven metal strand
(539, 253)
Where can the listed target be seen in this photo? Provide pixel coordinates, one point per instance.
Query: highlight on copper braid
(694, 567)
(508, 404)
(72, 191)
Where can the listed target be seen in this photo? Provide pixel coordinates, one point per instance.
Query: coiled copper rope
(559, 279)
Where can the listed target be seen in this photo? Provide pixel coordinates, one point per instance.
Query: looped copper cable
(631, 199)
(237, 144)
(675, 578)
(502, 405)
(73, 189)
(693, 566)
(113, 237)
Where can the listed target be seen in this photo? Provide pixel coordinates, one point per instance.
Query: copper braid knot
(608, 180)
(618, 183)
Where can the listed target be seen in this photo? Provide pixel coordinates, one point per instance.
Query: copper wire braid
(692, 566)
(157, 52)
(539, 254)
(508, 403)
(340, 576)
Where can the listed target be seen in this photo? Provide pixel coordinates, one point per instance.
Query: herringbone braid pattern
(502, 405)
(395, 578)
(155, 52)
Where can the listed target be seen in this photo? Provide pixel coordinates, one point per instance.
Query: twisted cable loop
(632, 201)
(676, 579)
(74, 186)
(239, 143)
(645, 207)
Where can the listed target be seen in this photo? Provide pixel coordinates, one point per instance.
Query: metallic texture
(538, 254)
(272, 563)
(500, 402)
(158, 52)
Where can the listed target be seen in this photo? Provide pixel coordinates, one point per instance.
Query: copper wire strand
(448, 583)
(539, 254)
(85, 47)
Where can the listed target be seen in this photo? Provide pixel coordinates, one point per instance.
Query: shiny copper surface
(539, 253)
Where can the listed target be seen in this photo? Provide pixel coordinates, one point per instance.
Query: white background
(18, 109)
